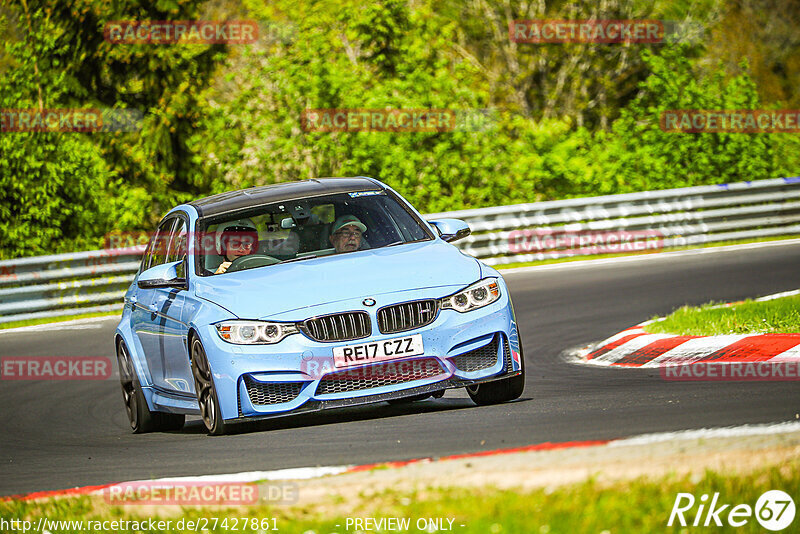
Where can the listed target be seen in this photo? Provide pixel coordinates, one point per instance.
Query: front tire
(438, 394)
(409, 400)
(141, 419)
(499, 391)
(207, 398)
(503, 390)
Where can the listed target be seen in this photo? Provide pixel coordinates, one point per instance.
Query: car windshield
(301, 229)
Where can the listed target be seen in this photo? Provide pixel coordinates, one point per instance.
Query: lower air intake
(264, 393)
(382, 374)
(480, 358)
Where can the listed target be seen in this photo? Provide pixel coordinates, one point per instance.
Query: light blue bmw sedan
(305, 296)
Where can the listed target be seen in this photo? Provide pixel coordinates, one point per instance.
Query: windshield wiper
(394, 244)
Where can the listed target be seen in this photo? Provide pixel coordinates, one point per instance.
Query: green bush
(218, 118)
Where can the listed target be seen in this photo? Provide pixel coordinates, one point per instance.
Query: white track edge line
(298, 473)
(701, 433)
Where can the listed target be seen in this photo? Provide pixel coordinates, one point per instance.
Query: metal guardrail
(656, 219)
(85, 282)
(66, 284)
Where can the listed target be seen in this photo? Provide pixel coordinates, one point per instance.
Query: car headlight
(478, 295)
(254, 332)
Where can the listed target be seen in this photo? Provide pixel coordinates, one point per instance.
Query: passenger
(236, 241)
(346, 233)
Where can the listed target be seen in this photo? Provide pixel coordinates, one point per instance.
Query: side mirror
(162, 276)
(451, 229)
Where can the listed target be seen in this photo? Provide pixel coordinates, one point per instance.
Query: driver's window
(157, 250)
(177, 247)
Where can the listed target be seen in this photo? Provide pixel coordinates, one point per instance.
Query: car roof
(236, 200)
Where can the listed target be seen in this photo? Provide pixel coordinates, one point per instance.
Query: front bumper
(297, 375)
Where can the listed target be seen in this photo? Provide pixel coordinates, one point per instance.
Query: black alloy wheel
(141, 419)
(207, 398)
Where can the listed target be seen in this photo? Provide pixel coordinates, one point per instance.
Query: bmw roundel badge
(368, 302)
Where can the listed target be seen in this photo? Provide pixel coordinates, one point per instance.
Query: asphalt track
(60, 434)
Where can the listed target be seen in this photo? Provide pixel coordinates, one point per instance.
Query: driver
(236, 241)
(346, 233)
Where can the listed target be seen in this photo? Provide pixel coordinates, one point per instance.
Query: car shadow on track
(345, 415)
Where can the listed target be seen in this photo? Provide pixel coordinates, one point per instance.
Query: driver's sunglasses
(245, 244)
(347, 233)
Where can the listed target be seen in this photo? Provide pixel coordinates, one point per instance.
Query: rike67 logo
(774, 510)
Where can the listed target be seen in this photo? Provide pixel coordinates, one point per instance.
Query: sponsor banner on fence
(199, 493)
(181, 31)
(55, 368)
(731, 121)
(397, 120)
(581, 242)
(732, 371)
(81, 120)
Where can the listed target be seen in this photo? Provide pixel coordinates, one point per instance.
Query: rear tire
(207, 398)
(140, 417)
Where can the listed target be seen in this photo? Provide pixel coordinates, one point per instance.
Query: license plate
(376, 351)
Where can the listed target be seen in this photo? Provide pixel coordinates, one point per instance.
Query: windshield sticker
(364, 194)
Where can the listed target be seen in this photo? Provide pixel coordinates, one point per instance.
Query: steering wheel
(250, 261)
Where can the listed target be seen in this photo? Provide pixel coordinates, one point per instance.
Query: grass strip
(781, 315)
(640, 505)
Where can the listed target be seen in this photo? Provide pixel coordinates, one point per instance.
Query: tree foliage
(549, 121)
(66, 190)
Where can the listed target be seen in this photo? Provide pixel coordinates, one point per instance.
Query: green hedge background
(568, 120)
